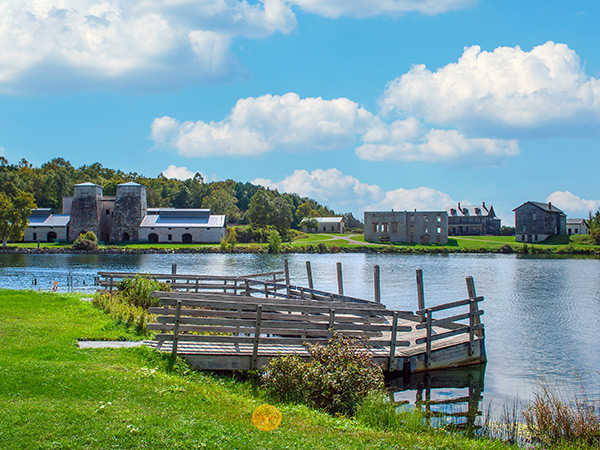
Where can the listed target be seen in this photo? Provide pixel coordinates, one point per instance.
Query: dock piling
(420, 290)
(377, 284)
(339, 279)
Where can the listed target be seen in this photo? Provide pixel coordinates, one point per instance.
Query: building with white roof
(46, 227)
(123, 218)
(326, 225)
(577, 226)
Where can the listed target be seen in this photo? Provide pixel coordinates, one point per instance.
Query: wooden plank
(176, 328)
(451, 305)
(449, 320)
(256, 336)
(237, 298)
(279, 316)
(447, 334)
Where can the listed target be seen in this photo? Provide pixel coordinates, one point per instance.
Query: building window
(394, 227)
(534, 216)
(426, 219)
(332, 228)
(412, 229)
(107, 212)
(170, 237)
(170, 228)
(374, 227)
(412, 218)
(439, 230)
(439, 219)
(426, 230)
(35, 236)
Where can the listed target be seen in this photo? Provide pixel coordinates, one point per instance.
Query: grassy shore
(56, 396)
(332, 243)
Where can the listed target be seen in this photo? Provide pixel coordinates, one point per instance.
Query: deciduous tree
(14, 214)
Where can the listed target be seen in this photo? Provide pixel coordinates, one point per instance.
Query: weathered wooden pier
(241, 322)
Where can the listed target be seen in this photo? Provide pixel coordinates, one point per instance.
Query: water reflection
(449, 397)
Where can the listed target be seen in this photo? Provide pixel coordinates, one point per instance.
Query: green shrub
(122, 311)
(274, 240)
(86, 241)
(338, 377)
(136, 291)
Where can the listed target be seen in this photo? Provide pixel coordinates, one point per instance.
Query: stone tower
(130, 209)
(85, 210)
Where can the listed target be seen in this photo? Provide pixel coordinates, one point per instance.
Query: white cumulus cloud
(65, 44)
(344, 192)
(290, 123)
(366, 8)
(509, 88)
(408, 140)
(571, 203)
(267, 123)
(180, 173)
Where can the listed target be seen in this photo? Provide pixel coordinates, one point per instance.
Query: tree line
(23, 187)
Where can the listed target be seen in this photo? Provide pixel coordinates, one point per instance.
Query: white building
(327, 225)
(46, 227)
(182, 225)
(577, 226)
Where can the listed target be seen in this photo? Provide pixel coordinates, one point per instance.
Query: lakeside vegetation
(348, 242)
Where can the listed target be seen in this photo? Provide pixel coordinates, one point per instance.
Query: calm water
(542, 316)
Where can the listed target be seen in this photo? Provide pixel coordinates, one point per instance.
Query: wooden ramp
(240, 323)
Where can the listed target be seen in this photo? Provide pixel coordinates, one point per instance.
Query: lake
(542, 316)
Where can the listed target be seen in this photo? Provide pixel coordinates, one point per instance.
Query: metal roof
(52, 220)
(326, 219)
(183, 218)
(548, 207)
(131, 183)
(87, 183)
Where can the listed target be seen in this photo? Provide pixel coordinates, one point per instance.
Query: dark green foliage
(507, 231)
(86, 241)
(136, 291)
(338, 377)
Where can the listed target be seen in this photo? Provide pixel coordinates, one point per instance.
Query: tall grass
(553, 420)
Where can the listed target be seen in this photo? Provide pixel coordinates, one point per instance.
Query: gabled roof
(87, 183)
(471, 210)
(548, 207)
(577, 222)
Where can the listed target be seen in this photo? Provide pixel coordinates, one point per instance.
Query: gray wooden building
(473, 220)
(536, 221)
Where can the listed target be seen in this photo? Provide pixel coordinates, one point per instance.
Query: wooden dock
(240, 323)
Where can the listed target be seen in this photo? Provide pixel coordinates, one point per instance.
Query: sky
(359, 104)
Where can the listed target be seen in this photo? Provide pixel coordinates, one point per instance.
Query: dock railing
(453, 324)
(271, 324)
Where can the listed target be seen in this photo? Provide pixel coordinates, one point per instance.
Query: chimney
(550, 206)
(459, 208)
(484, 206)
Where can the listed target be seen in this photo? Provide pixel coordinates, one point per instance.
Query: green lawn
(56, 396)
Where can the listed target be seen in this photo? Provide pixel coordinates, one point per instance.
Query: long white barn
(123, 218)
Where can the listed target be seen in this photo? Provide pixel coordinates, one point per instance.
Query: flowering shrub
(337, 378)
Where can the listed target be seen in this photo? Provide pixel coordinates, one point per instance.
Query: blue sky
(359, 104)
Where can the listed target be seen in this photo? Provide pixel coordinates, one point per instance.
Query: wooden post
(339, 279)
(287, 277)
(310, 278)
(225, 288)
(331, 323)
(176, 328)
(429, 333)
(173, 269)
(247, 287)
(197, 281)
(472, 307)
(256, 337)
(420, 290)
(110, 285)
(473, 294)
(377, 283)
(392, 364)
(235, 288)
(266, 290)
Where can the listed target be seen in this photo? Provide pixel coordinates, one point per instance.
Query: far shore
(338, 243)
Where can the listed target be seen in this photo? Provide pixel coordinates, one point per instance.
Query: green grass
(56, 396)
(564, 245)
